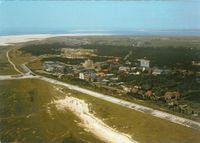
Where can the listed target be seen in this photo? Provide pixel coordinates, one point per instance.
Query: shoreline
(6, 40)
(14, 39)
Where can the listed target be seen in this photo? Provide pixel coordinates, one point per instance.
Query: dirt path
(14, 66)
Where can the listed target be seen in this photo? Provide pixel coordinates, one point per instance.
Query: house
(149, 93)
(144, 63)
(157, 71)
(109, 74)
(171, 95)
(195, 63)
(126, 88)
(134, 90)
(184, 108)
(133, 68)
(81, 76)
(87, 75)
(100, 74)
(135, 73)
(114, 78)
(128, 62)
(124, 69)
(49, 69)
(104, 81)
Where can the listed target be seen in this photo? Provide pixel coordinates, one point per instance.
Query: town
(115, 74)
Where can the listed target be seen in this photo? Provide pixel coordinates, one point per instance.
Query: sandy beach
(12, 39)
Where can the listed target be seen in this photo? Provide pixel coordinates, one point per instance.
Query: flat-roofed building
(144, 63)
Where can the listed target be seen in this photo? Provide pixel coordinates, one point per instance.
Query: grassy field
(142, 127)
(18, 58)
(5, 67)
(25, 115)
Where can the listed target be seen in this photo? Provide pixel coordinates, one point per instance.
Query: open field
(26, 117)
(5, 67)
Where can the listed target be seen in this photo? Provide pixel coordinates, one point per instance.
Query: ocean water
(195, 32)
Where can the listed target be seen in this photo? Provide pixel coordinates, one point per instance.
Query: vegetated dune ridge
(90, 122)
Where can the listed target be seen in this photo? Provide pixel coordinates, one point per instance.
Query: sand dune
(90, 122)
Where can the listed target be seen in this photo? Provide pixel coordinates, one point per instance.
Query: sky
(64, 16)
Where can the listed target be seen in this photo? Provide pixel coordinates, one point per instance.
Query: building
(51, 66)
(59, 68)
(88, 64)
(157, 71)
(124, 69)
(171, 95)
(195, 63)
(144, 63)
(149, 93)
(126, 88)
(87, 75)
(100, 74)
(81, 76)
(48, 66)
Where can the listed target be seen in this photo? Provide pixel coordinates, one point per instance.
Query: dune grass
(5, 67)
(27, 116)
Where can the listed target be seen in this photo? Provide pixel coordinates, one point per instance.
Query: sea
(190, 32)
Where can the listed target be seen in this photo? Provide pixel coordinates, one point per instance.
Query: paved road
(137, 107)
(14, 77)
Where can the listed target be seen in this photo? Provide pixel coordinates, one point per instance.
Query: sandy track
(14, 66)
